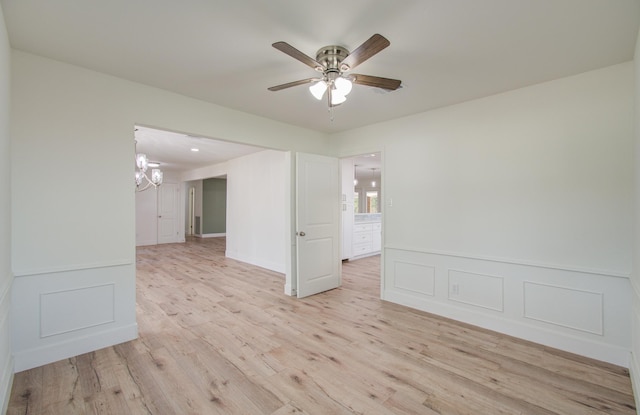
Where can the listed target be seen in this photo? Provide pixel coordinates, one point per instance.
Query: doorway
(158, 215)
(361, 206)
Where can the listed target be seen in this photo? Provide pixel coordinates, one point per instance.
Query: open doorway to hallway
(361, 207)
(192, 198)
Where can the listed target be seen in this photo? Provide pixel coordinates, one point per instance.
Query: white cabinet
(376, 236)
(367, 238)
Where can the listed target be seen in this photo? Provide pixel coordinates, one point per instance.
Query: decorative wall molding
(485, 291)
(73, 267)
(405, 277)
(63, 314)
(566, 268)
(59, 309)
(560, 308)
(577, 309)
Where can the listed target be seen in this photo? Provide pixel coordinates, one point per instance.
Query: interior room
(500, 236)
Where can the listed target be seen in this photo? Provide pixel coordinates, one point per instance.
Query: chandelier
(143, 182)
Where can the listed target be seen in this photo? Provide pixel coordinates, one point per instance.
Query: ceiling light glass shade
(343, 86)
(318, 89)
(337, 98)
(156, 177)
(142, 162)
(373, 183)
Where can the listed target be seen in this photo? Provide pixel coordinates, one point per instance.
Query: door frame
(290, 287)
(380, 150)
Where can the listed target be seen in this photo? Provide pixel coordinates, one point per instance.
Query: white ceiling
(174, 151)
(444, 51)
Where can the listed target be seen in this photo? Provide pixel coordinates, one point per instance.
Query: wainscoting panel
(6, 356)
(416, 278)
(580, 311)
(634, 366)
(483, 291)
(59, 310)
(62, 314)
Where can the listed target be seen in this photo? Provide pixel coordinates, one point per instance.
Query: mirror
(367, 192)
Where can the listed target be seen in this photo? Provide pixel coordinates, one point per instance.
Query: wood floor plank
(218, 336)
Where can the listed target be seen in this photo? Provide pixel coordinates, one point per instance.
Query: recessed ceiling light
(195, 149)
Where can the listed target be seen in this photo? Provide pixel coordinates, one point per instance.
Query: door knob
(301, 233)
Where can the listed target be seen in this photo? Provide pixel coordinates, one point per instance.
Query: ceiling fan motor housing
(330, 57)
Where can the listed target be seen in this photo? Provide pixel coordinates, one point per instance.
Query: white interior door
(317, 224)
(146, 218)
(168, 208)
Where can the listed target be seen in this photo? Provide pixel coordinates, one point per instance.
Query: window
(356, 205)
(372, 201)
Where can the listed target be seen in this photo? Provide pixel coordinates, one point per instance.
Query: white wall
(6, 276)
(257, 209)
(73, 242)
(516, 212)
(635, 275)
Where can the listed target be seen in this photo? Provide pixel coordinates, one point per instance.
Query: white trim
(6, 383)
(39, 356)
(607, 273)
(563, 341)
(456, 299)
(76, 267)
(272, 266)
(599, 332)
(634, 374)
(210, 235)
(111, 318)
(6, 377)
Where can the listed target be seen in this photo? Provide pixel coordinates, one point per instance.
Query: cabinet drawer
(362, 227)
(360, 237)
(377, 227)
(361, 249)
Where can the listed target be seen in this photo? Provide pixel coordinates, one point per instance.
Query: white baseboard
(273, 266)
(211, 235)
(6, 382)
(526, 301)
(28, 359)
(562, 341)
(634, 373)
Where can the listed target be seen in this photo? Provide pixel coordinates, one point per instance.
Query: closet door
(168, 208)
(147, 217)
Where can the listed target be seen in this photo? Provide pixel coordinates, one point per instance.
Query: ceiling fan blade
(294, 83)
(296, 54)
(376, 81)
(369, 48)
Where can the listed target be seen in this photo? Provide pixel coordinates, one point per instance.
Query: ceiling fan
(333, 62)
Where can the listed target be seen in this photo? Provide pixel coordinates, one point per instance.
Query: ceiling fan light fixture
(337, 98)
(142, 162)
(318, 89)
(343, 86)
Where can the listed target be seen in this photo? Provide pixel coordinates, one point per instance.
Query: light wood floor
(219, 337)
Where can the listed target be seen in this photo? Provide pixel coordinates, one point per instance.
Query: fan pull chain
(329, 105)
